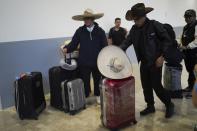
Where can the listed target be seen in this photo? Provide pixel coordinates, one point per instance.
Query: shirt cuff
(192, 45)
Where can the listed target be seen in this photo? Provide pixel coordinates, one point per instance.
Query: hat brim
(103, 62)
(81, 17)
(130, 17)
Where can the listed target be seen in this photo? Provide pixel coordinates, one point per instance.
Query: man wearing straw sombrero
(151, 42)
(92, 39)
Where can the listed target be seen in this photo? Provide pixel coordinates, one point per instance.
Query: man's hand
(183, 47)
(159, 61)
(64, 51)
(109, 41)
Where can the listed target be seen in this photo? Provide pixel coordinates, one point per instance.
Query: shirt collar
(90, 29)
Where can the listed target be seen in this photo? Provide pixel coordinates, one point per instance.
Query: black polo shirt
(117, 36)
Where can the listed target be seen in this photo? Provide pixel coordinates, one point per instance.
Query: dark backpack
(173, 56)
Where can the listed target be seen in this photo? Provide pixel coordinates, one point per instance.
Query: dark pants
(85, 74)
(151, 80)
(190, 61)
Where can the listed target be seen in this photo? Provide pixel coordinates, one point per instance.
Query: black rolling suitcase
(56, 76)
(29, 96)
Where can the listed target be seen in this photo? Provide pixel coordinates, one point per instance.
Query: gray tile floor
(89, 119)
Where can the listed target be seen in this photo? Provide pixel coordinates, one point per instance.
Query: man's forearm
(126, 43)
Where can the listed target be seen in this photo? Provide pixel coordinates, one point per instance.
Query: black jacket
(155, 39)
(188, 33)
(90, 44)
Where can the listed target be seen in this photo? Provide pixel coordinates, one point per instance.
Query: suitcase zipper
(24, 99)
(17, 95)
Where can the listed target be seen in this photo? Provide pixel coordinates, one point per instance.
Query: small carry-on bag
(29, 95)
(73, 96)
(172, 81)
(118, 102)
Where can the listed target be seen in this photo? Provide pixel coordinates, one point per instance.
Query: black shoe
(176, 94)
(188, 95)
(188, 89)
(169, 110)
(148, 110)
(195, 127)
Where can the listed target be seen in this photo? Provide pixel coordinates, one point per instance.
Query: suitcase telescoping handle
(63, 95)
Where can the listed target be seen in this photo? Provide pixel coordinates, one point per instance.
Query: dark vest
(188, 33)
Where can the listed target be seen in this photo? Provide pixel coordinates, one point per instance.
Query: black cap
(190, 13)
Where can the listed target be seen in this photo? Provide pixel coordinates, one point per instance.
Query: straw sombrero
(88, 13)
(113, 63)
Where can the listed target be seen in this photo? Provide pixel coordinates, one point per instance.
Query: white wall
(38, 19)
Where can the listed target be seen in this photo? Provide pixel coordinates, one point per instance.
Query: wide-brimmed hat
(88, 13)
(137, 11)
(113, 63)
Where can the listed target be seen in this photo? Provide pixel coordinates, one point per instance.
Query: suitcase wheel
(114, 129)
(21, 118)
(103, 123)
(134, 122)
(195, 127)
(66, 111)
(72, 113)
(36, 118)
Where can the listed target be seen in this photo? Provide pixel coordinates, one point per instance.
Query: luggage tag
(25, 74)
(17, 78)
